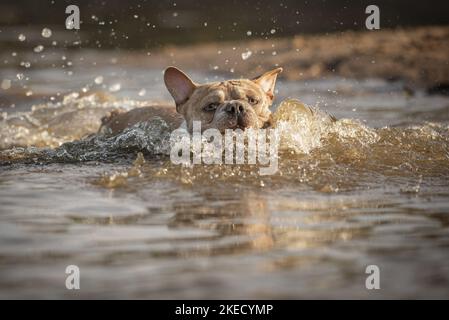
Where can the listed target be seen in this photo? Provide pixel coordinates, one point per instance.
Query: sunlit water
(370, 188)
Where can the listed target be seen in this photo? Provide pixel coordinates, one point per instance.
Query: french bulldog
(230, 104)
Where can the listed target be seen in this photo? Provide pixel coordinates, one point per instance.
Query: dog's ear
(267, 81)
(179, 85)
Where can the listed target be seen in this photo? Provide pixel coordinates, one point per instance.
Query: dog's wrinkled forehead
(229, 90)
(186, 93)
(241, 89)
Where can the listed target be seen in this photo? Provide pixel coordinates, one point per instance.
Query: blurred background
(149, 24)
(123, 46)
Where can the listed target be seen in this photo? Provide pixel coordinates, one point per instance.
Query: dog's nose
(235, 108)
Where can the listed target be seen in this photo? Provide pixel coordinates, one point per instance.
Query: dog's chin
(236, 125)
(223, 122)
(231, 124)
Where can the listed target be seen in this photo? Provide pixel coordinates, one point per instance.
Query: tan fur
(118, 121)
(238, 103)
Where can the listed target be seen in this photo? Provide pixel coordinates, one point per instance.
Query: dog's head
(223, 105)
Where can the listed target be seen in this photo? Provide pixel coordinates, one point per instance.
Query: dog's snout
(235, 108)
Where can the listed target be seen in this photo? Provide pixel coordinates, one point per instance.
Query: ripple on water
(346, 195)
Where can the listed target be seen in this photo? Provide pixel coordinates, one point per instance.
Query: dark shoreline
(417, 56)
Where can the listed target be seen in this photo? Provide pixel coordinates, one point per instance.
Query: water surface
(371, 188)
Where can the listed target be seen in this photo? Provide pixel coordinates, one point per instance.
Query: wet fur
(253, 98)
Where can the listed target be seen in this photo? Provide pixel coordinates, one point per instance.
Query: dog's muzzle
(237, 110)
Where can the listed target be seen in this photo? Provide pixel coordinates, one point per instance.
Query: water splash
(315, 147)
(147, 136)
(51, 124)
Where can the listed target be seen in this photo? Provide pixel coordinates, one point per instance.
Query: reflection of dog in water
(252, 210)
(222, 105)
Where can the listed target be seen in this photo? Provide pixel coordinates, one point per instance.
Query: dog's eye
(211, 107)
(252, 100)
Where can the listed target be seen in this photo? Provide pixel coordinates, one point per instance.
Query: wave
(66, 132)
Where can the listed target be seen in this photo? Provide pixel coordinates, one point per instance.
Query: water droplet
(248, 33)
(142, 92)
(99, 80)
(29, 93)
(273, 31)
(22, 37)
(20, 76)
(246, 55)
(46, 33)
(70, 24)
(6, 84)
(38, 48)
(25, 64)
(115, 87)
